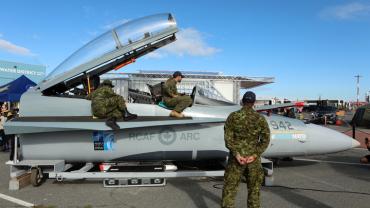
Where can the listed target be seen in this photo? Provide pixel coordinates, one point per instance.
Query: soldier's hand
(240, 159)
(249, 159)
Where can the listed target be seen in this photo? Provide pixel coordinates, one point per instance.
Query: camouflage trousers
(179, 102)
(109, 108)
(233, 173)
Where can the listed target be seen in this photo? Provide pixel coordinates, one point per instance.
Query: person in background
(2, 134)
(10, 138)
(269, 113)
(291, 113)
(285, 112)
(366, 159)
(4, 107)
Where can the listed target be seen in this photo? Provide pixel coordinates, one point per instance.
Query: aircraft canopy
(123, 40)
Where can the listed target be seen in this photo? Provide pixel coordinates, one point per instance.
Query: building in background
(271, 101)
(367, 97)
(10, 71)
(326, 102)
(216, 85)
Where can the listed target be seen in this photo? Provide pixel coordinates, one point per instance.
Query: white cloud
(15, 49)
(189, 42)
(347, 11)
(114, 24)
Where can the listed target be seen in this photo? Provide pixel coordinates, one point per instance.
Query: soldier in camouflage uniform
(107, 104)
(173, 99)
(247, 136)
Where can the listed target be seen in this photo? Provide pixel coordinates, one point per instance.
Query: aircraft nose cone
(322, 140)
(355, 143)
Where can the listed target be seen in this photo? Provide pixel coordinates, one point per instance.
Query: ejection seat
(157, 96)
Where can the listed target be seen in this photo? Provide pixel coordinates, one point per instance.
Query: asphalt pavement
(334, 180)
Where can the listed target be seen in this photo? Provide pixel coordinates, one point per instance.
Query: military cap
(107, 83)
(249, 97)
(177, 73)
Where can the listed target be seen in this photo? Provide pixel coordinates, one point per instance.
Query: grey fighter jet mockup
(56, 125)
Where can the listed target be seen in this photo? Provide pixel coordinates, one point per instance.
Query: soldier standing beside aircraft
(247, 136)
(366, 159)
(173, 99)
(107, 104)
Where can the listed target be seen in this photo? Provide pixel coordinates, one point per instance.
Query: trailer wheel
(36, 176)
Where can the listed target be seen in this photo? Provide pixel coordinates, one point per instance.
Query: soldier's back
(100, 101)
(246, 125)
(102, 92)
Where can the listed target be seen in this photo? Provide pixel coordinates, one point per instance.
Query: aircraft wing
(272, 107)
(23, 125)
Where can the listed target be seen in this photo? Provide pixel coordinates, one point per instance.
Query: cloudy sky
(313, 48)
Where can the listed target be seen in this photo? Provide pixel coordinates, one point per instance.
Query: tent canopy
(12, 91)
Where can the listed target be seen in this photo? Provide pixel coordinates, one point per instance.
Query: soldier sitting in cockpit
(172, 98)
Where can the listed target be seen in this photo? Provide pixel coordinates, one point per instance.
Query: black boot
(111, 122)
(127, 115)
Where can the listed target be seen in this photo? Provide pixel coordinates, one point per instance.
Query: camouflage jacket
(169, 88)
(103, 97)
(246, 133)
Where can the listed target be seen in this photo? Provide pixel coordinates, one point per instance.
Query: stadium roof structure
(245, 82)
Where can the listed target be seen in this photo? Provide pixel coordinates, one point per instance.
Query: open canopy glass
(114, 39)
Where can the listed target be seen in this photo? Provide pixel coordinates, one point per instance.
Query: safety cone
(339, 122)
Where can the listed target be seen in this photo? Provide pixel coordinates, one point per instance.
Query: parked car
(321, 112)
(310, 108)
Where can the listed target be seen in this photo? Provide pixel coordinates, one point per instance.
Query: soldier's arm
(175, 89)
(229, 136)
(174, 93)
(167, 89)
(264, 140)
